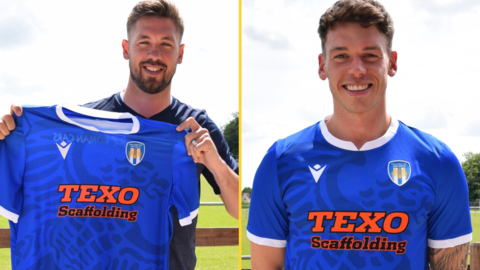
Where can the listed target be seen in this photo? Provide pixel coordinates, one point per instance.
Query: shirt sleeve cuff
(188, 220)
(450, 242)
(9, 215)
(266, 241)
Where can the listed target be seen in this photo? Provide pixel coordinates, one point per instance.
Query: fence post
(475, 256)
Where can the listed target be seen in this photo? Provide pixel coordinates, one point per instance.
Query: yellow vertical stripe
(240, 134)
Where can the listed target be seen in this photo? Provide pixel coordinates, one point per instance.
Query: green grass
(209, 216)
(5, 262)
(4, 222)
(246, 264)
(215, 216)
(476, 226)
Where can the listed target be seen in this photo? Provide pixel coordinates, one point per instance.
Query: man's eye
(340, 56)
(144, 42)
(370, 55)
(167, 44)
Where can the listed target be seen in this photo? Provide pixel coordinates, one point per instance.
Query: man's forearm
(454, 258)
(227, 181)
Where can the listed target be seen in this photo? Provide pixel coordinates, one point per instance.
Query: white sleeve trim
(450, 242)
(188, 220)
(266, 241)
(9, 215)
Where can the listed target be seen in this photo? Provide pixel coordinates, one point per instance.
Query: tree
(471, 168)
(230, 132)
(247, 190)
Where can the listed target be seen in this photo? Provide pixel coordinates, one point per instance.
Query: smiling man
(153, 50)
(360, 189)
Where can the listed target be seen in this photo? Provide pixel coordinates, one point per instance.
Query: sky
(434, 89)
(55, 51)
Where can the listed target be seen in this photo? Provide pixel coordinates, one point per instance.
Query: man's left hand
(200, 145)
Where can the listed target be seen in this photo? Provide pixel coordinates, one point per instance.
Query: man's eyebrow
(338, 49)
(372, 48)
(168, 38)
(148, 37)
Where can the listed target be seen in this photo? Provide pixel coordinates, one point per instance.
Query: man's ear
(180, 54)
(322, 72)
(392, 67)
(125, 46)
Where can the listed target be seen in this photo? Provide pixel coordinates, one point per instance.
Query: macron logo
(63, 147)
(317, 171)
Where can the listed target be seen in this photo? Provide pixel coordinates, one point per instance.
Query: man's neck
(359, 128)
(147, 105)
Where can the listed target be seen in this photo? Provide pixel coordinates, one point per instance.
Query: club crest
(135, 152)
(399, 171)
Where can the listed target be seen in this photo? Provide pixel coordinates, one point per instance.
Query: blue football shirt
(335, 207)
(88, 189)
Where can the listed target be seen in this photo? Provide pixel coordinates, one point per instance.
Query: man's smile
(357, 88)
(153, 70)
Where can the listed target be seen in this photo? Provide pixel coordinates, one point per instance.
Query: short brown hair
(364, 12)
(155, 8)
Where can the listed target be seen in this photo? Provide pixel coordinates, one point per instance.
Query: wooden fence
(206, 237)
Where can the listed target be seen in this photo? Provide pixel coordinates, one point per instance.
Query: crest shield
(135, 151)
(399, 171)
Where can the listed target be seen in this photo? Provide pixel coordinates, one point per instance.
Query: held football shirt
(87, 189)
(335, 207)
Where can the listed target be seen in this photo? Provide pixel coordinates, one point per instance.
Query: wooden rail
(205, 237)
(4, 238)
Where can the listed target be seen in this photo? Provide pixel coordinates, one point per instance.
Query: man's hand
(202, 149)
(200, 145)
(454, 258)
(7, 123)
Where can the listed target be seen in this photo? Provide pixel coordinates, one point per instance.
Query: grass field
(246, 244)
(209, 216)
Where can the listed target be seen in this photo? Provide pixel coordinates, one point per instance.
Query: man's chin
(153, 91)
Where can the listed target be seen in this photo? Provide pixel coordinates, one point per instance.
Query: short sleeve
(449, 222)
(185, 195)
(268, 219)
(12, 166)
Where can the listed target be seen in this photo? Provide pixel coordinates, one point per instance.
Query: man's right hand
(6, 122)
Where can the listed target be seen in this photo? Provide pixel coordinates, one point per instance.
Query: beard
(151, 85)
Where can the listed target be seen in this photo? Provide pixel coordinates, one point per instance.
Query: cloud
(447, 7)
(14, 86)
(433, 118)
(18, 26)
(273, 40)
(472, 129)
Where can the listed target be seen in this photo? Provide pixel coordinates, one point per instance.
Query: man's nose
(357, 67)
(155, 53)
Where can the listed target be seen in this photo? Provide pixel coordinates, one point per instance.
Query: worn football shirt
(335, 207)
(88, 189)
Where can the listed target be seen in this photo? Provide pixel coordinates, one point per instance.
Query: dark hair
(364, 12)
(155, 8)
